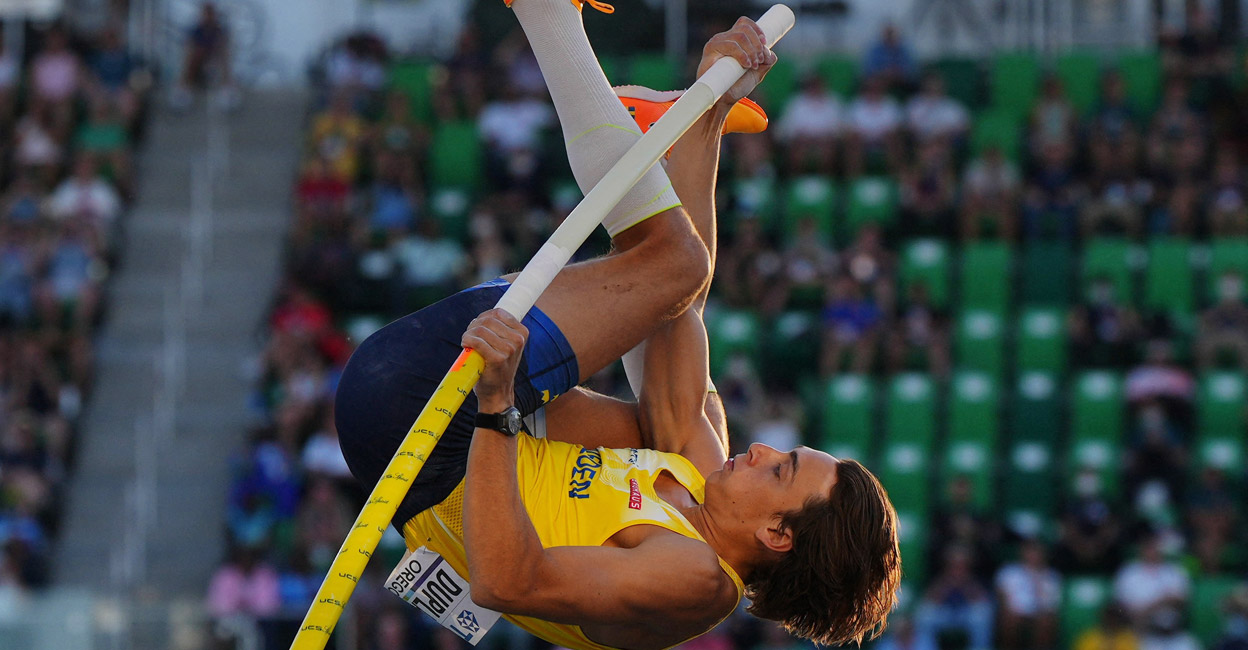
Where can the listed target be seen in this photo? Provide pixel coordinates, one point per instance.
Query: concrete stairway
(200, 263)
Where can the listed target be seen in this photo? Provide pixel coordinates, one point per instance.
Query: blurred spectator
(1150, 589)
(810, 128)
(901, 635)
(461, 92)
(870, 264)
(1234, 635)
(1156, 452)
(1176, 132)
(929, 192)
(322, 453)
(103, 136)
(10, 80)
(932, 114)
(113, 70)
(1213, 518)
(393, 200)
(991, 188)
(70, 291)
(1103, 329)
(1114, 141)
(746, 270)
(1222, 331)
(431, 264)
(338, 136)
(959, 521)
(1177, 212)
(1091, 531)
(1114, 207)
(874, 120)
(1112, 632)
(851, 325)
(1203, 56)
(38, 150)
(87, 197)
(245, 585)
(1053, 193)
(56, 78)
(512, 127)
(18, 262)
(1053, 121)
(1227, 202)
(1161, 379)
(324, 519)
(919, 331)
(1029, 592)
(208, 62)
(807, 264)
(889, 59)
(357, 66)
(955, 603)
(397, 138)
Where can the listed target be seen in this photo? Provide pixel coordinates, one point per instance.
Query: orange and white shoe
(647, 106)
(580, 4)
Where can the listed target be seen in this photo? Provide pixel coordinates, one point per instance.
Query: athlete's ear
(775, 535)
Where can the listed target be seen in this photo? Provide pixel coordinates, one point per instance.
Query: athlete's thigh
(606, 306)
(583, 417)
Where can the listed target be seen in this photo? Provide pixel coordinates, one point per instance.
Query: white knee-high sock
(596, 127)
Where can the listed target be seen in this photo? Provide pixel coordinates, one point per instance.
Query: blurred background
(995, 249)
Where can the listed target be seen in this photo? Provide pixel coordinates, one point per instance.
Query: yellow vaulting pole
(384, 500)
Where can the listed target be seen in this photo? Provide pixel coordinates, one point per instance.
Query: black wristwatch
(508, 422)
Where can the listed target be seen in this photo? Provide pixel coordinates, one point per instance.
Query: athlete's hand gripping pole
(384, 500)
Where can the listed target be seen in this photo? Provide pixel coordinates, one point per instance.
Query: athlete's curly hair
(839, 580)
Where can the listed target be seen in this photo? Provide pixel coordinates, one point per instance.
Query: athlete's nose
(758, 451)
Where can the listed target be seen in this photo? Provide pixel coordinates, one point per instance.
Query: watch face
(513, 421)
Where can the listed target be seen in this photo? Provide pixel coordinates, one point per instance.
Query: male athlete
(627, 525)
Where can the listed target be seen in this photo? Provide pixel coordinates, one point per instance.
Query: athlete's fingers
(725, 44)
(754, 38)
(512, 323)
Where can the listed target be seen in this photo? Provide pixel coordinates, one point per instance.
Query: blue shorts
(394, 372)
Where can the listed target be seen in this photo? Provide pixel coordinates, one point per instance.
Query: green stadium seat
(732, 333)
(962, 80)
(1046, 274)
(1206, 607)
(458, 159)
(1029, 495)
(840, 74)
(986, 276)
(1080, 73)
(1141, 72)
(871, 200)
(1168, 285)
(1042, 340)
(613, 66)
(792, 344)
(912, 532)
(849, 417)
(782, 83)
(415, 80)
(810, 197)
(653, 71)
(1220, 407)
(1000, 129)
(973, 430)
(980, 342)
(910, 410)
(450, 206)
(926, 262)
(1097, 427)
(1221, 420)
(1225, 256)
(1082, 600)
(1036, 413)
(1015, 80)
(1109, 258)
(1097, 406)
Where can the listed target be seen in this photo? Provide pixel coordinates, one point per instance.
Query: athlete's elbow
(499, 593)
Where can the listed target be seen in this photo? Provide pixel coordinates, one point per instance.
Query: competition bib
(426, 581)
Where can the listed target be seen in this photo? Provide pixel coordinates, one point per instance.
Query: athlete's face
(762, 483)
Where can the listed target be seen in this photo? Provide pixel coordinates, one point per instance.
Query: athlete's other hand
(499, 338)
(746, 43)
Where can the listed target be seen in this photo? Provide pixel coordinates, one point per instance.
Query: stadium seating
(926, 262)
(1080, 73)
(986, 278)
(1015, 82)
(972, 442)
(849, 417)
(1042, 340)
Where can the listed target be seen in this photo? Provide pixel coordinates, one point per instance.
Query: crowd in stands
(70, 112)
(1013, 287)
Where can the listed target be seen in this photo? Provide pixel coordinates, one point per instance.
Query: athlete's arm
(663, 579)
(677, 410)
